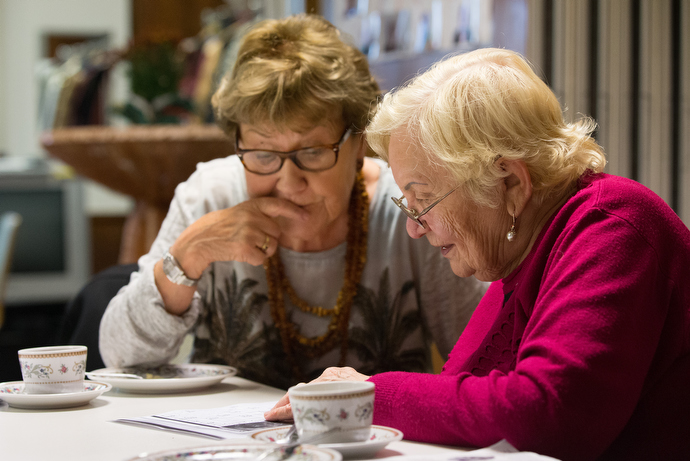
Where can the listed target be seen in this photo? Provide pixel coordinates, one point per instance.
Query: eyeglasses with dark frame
(413, 214)
(312, 159)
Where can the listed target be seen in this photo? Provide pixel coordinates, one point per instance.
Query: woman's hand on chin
(282, 410)
(247, 232)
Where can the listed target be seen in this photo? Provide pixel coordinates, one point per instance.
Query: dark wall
(26, 326)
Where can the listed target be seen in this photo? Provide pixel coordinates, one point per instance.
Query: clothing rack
(72, 85)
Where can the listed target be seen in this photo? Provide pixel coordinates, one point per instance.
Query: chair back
(9, 223)
(80, 324)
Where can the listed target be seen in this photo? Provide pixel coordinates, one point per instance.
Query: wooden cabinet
(164, 20)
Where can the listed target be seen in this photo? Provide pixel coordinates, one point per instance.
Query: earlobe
(518, 186)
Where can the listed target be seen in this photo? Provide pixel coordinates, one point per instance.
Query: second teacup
(53, 369)
(346, 405)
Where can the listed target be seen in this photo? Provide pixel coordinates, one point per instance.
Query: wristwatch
(175, 273)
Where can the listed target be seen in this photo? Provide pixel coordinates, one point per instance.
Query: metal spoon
(291, 436)
(284, 449)
(287, 448)
(114, 375)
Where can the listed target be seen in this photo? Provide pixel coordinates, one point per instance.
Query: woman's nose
(415, 230)
(291, 177)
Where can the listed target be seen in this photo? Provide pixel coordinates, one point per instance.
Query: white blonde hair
(471, 109)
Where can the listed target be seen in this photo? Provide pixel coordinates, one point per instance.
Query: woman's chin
(461, 269)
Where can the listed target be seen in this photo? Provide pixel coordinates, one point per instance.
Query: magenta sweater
(582, 352)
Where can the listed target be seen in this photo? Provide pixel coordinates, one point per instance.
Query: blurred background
(105, 108)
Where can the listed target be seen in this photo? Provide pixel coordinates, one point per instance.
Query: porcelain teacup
(53, 369)
(345, 405)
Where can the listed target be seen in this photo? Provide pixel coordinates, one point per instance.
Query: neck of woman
(330, 237)
(535, 218)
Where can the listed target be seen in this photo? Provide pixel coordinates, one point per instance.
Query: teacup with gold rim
(347, 406)
(53, 369)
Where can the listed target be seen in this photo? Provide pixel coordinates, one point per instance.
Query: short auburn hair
(294, 73)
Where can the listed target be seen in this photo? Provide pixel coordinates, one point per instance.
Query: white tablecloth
(89, 433)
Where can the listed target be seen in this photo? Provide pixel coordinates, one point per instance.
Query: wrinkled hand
(283, 411)
(234, 234)
(231, 234)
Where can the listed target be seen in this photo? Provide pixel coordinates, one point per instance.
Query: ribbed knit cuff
(387, 385)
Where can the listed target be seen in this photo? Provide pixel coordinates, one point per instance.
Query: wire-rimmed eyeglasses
(313, 159)
(413, 214)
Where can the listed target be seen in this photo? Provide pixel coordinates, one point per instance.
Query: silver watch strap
(174, 272)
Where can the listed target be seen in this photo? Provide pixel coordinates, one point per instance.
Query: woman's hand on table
(282, 410)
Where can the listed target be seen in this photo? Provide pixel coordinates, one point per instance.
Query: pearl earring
(512, 232)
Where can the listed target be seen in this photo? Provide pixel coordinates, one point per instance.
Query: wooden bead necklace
(278, 284)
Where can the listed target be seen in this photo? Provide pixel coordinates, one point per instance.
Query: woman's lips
(446, 248)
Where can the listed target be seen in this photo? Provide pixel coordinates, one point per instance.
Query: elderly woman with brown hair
(290, 257)
(581, 347)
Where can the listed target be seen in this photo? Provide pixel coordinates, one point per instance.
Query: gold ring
(264, 247)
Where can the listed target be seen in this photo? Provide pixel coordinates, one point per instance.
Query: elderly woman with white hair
(581, 347)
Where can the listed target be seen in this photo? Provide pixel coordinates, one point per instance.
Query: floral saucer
(13, 394)
(380, 437)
